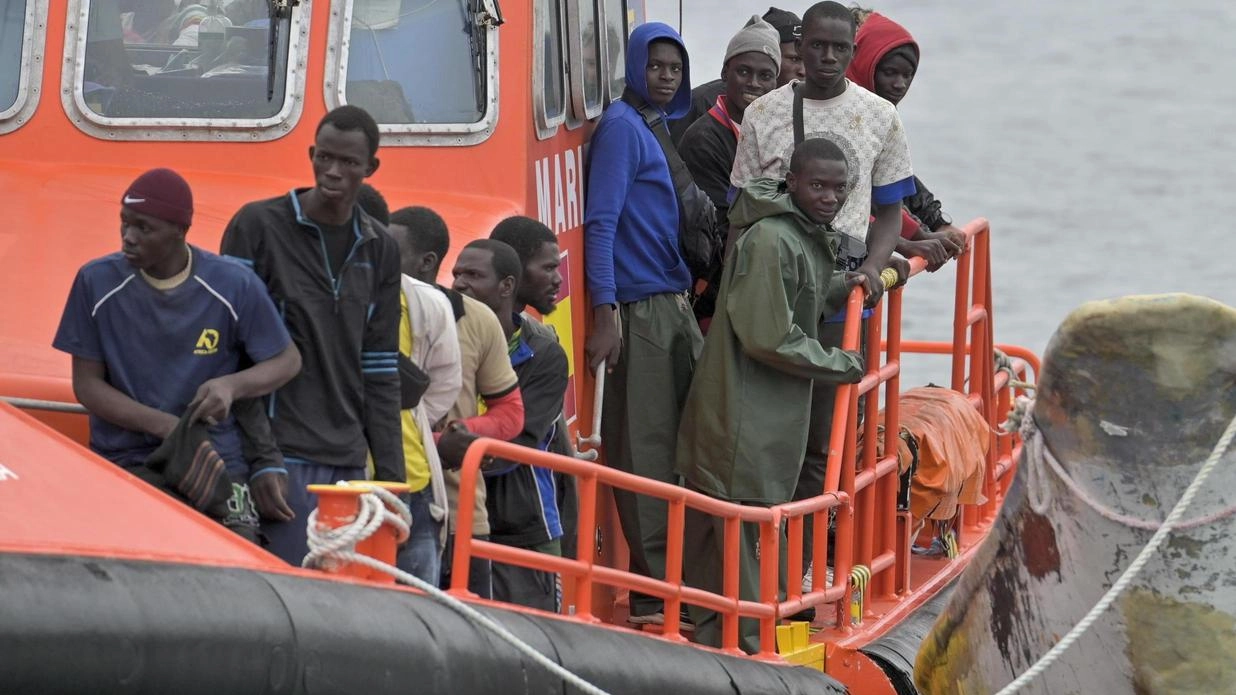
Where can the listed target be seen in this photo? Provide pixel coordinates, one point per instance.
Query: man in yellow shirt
(485, 370)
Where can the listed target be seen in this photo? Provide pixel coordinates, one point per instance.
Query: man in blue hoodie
(643, 328)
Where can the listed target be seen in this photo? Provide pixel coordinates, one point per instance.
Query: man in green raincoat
(744, 427)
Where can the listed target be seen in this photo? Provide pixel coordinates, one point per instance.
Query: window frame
(334, 88)
(29, 81)
(182, 129)
(608, 95)
(547, 126)
(575, 48)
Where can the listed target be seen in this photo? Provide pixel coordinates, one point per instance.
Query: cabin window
(12, 40)
(22, 30)
(551, 48)
(549, 66)
(219, 64)
(417, 61)
(586, 73)
(615, 46)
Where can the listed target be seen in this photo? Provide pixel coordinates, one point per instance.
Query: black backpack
(700, 241)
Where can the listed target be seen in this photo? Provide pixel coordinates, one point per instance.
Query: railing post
(794, 553)
(585, 544)
(463, 525)
(673, 567)
(886, 581)
(770, 559)
(841, 462)
(868, 497)
(729, 584)
(961, 317)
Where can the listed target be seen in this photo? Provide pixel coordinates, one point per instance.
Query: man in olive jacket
(744, 427)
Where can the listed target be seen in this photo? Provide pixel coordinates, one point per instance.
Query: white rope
(326, 545)
(1169, 524)
(1039, 458)
(339, 545)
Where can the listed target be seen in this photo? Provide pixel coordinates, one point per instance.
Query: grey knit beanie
(756, 36)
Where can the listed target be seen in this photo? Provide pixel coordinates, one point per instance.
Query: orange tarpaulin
(952, 441)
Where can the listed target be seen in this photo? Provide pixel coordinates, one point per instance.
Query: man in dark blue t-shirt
(161, 329)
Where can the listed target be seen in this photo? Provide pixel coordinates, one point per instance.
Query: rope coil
(330, 546)
(1038, 451)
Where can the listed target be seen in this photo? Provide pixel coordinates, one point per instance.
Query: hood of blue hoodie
(637, 65)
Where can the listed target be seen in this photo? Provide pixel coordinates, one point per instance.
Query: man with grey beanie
(788, 28)
(752, 59)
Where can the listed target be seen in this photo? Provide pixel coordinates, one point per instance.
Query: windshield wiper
(279, 11)
(479, 16)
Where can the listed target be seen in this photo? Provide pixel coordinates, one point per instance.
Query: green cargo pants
(643, 401)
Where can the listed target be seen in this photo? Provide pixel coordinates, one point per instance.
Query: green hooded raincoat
(744, 428)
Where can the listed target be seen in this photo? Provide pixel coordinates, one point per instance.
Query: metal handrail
(40, 404)
(598, 402)
(861, 491)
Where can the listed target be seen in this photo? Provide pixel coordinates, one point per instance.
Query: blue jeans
(421, 556)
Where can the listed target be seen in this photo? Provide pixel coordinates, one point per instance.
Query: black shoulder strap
(798, 115)
(655, 121)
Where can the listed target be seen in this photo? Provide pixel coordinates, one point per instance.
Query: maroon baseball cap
(161, 193)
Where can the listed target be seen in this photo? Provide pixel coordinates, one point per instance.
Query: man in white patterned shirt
(865, 126)
(869, 131)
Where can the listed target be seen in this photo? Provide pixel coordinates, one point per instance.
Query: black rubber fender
(71, 624)
(897, 650)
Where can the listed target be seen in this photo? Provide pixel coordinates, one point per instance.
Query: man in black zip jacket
(334, 276)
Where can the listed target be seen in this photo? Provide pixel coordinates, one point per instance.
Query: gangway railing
(583, 572)
(860, 489)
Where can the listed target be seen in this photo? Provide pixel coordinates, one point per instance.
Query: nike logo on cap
(129, 200)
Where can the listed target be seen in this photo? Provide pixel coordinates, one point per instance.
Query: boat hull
(1134, 394)
(75, 624)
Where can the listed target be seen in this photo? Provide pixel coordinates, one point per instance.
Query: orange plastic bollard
(338, 505)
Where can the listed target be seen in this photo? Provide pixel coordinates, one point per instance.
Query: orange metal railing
(860, 491)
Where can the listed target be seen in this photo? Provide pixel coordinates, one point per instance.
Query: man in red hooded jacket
(885, 62)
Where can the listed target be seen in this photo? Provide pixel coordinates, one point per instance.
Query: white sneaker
(657, 618)
(808, 577)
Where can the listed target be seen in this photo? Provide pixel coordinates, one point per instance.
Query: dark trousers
(704, 538)
(288, 538)
(480, 570)
(644, 396)
(528, 587)
(815, 462)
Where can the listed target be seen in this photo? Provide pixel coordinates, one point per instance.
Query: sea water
(1095, 136)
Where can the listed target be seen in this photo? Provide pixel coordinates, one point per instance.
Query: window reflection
(616, 38)
(160, 59)
(591, 40)
(552, 47)
(418, 61)
(12, 28)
